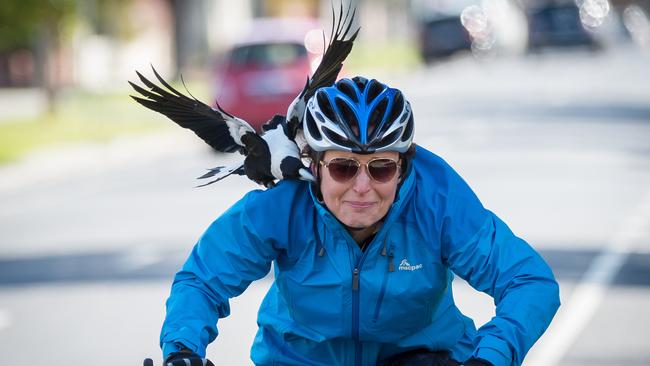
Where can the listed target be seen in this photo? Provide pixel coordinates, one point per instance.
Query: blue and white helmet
(358, 115)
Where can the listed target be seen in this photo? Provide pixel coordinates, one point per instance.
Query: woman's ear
(314, 170)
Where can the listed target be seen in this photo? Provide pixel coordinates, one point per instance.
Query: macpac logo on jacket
(404, 265)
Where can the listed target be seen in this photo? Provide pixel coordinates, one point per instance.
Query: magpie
(283, 152)
(227, 133)
(272, 155)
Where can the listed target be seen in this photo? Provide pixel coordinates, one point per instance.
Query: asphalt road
(557, 145)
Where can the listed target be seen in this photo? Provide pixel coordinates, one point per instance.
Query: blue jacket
(331, 304)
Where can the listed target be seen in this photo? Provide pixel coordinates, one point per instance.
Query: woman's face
(360, 202)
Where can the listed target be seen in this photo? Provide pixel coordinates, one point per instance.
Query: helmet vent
(388, 140)
(336, 138)
(326, 106)
(312, 128)
(377, 116)
(374, 90)
(398, 106)
(348, 116)
(404, 117)
(360, 82)
(348, 90)
(408, 130)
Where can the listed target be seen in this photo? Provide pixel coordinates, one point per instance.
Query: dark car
(442, 36)
(557, 26)
(263, 72)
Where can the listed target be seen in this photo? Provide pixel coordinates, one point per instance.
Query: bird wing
(339, 47)
(216, 127)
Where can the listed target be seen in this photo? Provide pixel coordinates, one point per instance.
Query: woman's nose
(362, 181)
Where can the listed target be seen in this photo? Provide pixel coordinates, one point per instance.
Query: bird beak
(305, 174)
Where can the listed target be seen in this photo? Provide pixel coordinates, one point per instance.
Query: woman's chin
(358, 225)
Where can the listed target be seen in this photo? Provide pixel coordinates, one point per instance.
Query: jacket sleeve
(481, 249)
(226, 259)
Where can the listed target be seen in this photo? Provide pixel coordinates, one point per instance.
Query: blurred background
(543, 106)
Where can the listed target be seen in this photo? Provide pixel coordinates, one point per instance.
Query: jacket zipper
(355, 315)
(390, 255)
(356, 274)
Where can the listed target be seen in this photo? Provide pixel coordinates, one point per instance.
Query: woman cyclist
(363, 258)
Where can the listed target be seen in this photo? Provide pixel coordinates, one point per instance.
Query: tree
(22, 21)
(37, 25)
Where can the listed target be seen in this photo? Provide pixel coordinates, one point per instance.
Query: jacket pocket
(407, 299)
(380, 299)
(315, 296)
(389, 254)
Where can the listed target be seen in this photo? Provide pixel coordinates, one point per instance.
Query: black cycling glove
(420, 357)
(476, 362)
(186, 359)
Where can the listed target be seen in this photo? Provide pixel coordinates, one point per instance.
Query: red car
(262, 73)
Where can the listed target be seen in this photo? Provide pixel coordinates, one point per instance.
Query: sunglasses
(343, 170)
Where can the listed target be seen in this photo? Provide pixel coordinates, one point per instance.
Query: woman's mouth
(359, 204)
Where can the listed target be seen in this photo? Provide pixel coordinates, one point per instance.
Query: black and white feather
(284, 156)
(269, 157)
(216, 127)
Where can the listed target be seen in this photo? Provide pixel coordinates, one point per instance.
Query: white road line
(5, 319)
(587, 296)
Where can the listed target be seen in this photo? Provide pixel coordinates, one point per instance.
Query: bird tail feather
(221, 172)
